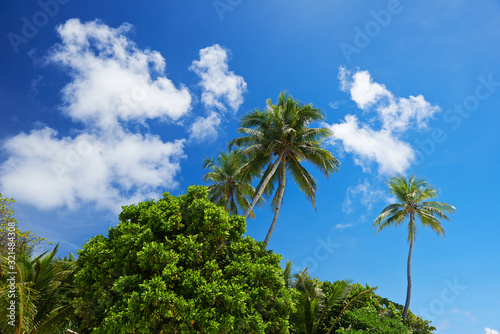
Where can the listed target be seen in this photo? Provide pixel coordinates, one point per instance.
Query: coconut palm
(43, 293)
(413, 196)
(312, 305)
(231, 187)
(279, 140)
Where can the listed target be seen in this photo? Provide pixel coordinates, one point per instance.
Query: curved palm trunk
(281, 191)
(408, 270)
(263, 185)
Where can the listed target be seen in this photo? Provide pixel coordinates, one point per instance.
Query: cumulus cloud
(112, 79)
(112, 83)
(108, 169)
(363, 193)
(490, 331)
(381, 144)
(363, 90)
(383, 147)
(396, 114)
(205, 128)
(221, 87)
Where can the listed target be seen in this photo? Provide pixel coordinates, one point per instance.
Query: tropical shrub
(180, 265)
(13, 239)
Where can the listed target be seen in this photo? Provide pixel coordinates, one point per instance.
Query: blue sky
(106, 104)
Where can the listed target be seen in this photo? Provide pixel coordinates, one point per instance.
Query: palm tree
(312, 305)
(413, 196)
(231, 187)
(43, 293)
(279, 139)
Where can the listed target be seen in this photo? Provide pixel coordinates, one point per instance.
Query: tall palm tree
(413, 201)
(278, 140)
(43, 293)
(231, 187)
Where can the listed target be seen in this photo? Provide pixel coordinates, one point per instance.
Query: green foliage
(43, 294)
(11, 237)
(368, 320)
(277, 141)
(370, 313)
(231, 188)
(413, 201)
(180, 265)
(315, 303)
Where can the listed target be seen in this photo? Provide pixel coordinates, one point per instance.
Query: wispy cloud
(343, 226)
(364, 193)
(466, 314)
(490, 331)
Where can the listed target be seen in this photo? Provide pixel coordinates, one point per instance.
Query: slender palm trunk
(408, 270)
(263, 185)
(281, 191)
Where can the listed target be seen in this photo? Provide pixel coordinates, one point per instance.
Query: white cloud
(112, 79)
(445, 324)
(112, 82)
(343, 226)
(221, 87)
(490, 331)
(392, 154)
(396, 114)
(466, 314)
(334, 105)
(363, 193)
(108, 169)
(363, 90)
(205, 128)
(382, 145)
(400, 115)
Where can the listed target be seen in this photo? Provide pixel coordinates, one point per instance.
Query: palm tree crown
(44, 292)
(312, 305)
(231, 187)
(415, 200)
(278, 140)
(413, 195)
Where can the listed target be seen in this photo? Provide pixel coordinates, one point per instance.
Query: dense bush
(180, 265)
(372, 313)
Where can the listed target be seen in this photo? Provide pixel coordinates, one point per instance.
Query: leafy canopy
(180, 265)
(231, 188)
(414, 197)
(282, 134)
